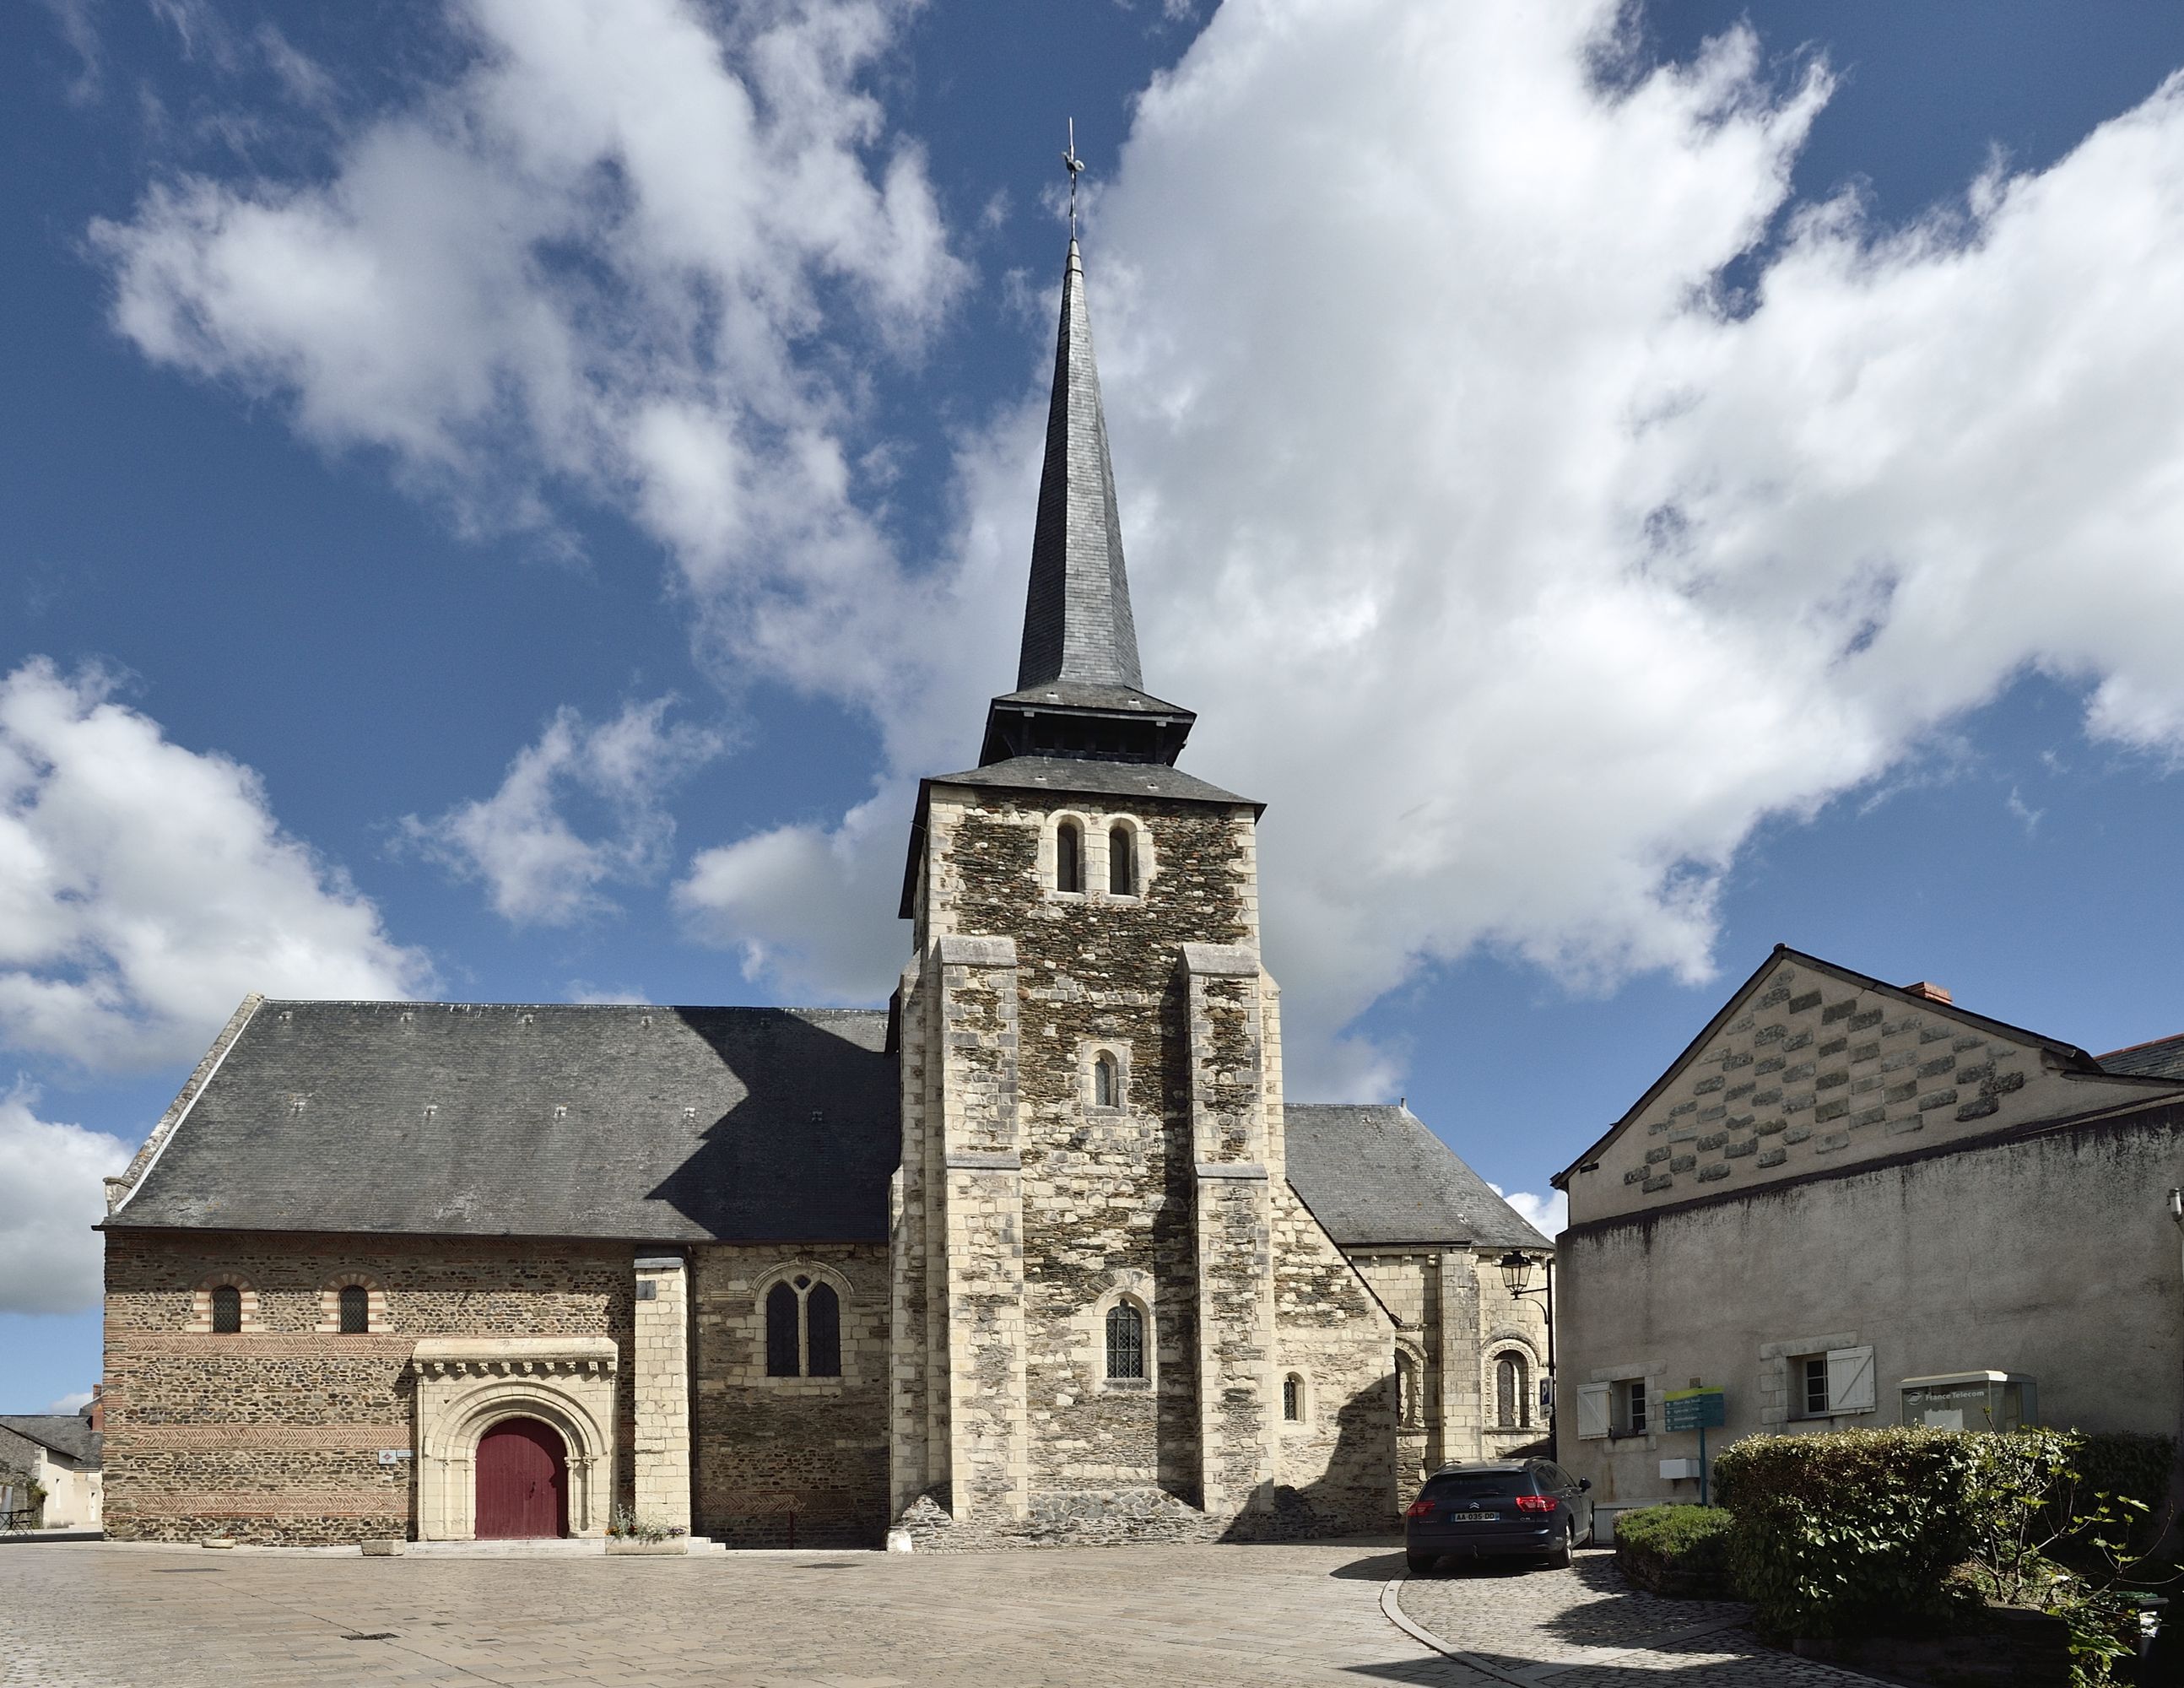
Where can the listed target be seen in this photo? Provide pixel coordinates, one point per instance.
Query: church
(1036, 1254)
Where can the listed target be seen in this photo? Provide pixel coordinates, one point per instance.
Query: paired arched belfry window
(1513, 1396)
(1126, 1342)
(1122, 862)
(1069, 857)
(1106, 1082)
(356, 1310)
(226, 1309)
(803, 1330)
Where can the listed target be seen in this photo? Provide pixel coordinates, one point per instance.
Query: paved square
(94, 1616)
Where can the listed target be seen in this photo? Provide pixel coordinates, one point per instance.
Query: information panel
(1693, 1409)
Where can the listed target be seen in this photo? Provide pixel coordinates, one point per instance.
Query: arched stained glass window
(1069, 857)
(782, 1357)
(1126, 1342)
(1512, 1394)
(1293, 1398)
(227, 1309)
(1106, 1086)
(823, 1332)
(356, 1310)
(1122, 869)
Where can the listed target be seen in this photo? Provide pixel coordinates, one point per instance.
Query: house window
(803, 1330)
(1513, 1396)
(1823, 1385)
(1106, 1082)
(1069, 857)
(1293, 1399)
(356, 1310)
(226, 1309)
(1630, 1419)
(1122, 869)
(1126, 1342)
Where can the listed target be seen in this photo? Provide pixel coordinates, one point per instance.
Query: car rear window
(1452, 1485)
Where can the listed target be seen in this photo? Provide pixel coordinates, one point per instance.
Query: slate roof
(564, 1120)
(1078, 624)
(68, 1434)
(1377, 1176)
(1071, 773)
(2163, 1058)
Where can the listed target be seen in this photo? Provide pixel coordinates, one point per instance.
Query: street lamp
(1516, 1274)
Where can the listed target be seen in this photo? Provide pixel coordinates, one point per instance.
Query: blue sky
(506, 511)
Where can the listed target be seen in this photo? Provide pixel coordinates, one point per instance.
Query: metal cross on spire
(1075, 166)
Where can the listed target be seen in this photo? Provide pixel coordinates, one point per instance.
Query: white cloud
(1548, 1214)
(144, 888)
(1522, 571)
(51, 1195)
(538, 868)
(622, 251)
(70, 1403)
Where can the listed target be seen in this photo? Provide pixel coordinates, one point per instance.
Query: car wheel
(1558, 1559)
(1420, 1563)
(1592, 1534)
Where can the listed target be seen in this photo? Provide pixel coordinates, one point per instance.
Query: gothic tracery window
(1126, 1342)
(803, 1328)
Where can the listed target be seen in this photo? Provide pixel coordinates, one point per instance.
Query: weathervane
(1075, 166)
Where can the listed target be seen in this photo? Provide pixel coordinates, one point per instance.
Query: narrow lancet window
(1106, 1086)
(1069, 857)
(226, 1309)
(782, 1358)
(823, 1332)
(1293, 1398)
(1122, 869)
(356, 1310)
(1126, 1342)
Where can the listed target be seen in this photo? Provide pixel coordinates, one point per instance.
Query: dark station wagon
(1530, 1507)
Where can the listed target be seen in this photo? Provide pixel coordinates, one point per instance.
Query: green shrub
(1846, 1530)
(2132, 1468)
(1693, 1539)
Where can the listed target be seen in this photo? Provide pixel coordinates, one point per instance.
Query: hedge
(1846, 1530)
(1673, 1549)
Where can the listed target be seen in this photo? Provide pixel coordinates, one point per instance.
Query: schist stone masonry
(1034, 1254)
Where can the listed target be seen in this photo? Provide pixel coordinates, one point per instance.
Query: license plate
(1472, 1517)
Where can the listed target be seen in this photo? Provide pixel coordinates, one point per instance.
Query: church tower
(1085, 1303)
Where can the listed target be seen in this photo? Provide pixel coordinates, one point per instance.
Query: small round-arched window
(1107, 1081)
(1409, 1409)
(226, 1309)
(1293, 1399)
(356, 1310)
(1512, 1398)
(1126, 1342)
(1069, 857)
(1122, 863)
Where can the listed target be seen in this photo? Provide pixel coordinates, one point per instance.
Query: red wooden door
(522, 1481)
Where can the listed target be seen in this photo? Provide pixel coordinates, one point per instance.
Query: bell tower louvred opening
(1080, 692)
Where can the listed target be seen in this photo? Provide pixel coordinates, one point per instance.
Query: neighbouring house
(1036, 1253)
(1850, 1202)
(55, 1455)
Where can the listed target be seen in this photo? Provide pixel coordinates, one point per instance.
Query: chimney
(95, 1408)
(1929, 990)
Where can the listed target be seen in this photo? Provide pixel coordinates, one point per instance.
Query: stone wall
(274, 1433)
(784, 1456)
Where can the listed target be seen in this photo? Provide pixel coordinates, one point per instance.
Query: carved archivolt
(465, 1385)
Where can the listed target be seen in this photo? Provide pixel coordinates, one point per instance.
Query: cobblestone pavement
(93, 1616)
(1587, 1627)
(103, 1616)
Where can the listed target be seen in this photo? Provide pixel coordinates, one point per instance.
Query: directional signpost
(1701, 1409)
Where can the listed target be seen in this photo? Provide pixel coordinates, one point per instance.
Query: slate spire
(1077, 616)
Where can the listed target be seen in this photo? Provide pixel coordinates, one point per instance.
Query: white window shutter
(1592, 1403)
(1850, 1381)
